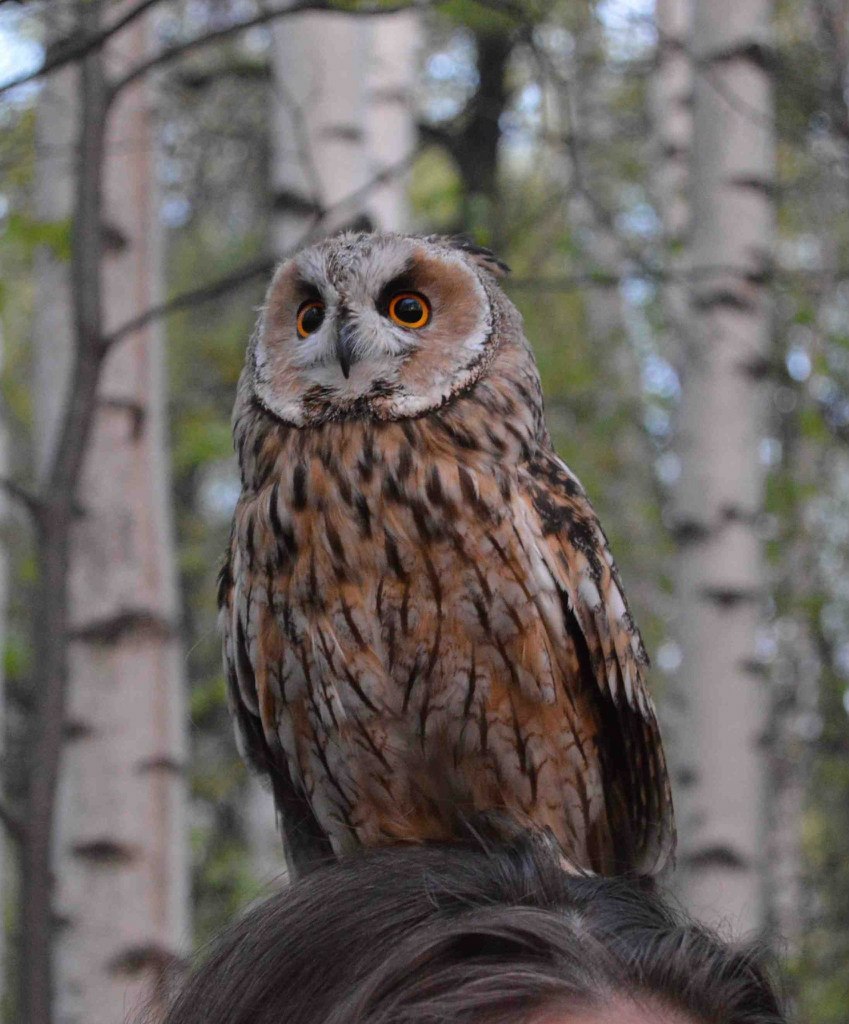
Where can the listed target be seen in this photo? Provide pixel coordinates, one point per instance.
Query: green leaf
(30, 234)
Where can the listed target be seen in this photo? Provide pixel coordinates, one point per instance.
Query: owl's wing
(306, 845)
(613, 661)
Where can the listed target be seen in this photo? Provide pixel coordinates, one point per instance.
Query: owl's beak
(345, 350)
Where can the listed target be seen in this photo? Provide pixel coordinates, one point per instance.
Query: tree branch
(74, 47)
(22, 496)
(563, 283)
(171, 53)
(46, 730)
(195, 296)
(12, 823)
(255, 268)
(604, 278)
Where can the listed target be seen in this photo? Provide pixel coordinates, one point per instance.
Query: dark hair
(453, 934)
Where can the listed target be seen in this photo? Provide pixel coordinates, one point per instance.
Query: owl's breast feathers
(422, 619)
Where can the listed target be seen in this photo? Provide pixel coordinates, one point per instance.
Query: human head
(462, 935)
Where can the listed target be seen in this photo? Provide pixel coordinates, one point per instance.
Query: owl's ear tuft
(362, 223)
(479, 254)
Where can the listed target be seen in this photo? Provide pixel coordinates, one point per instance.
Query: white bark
(671, 106)
(54, 200)
(121, 862)
(588, 101)
(319, 166)
(720, 567)
(53, 330)
(672, 110)
(265, 846)
(390, 122)
(672, 93)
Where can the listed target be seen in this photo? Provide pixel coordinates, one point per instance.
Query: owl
(422, 621)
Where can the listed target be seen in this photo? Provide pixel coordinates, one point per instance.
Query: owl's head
(383, 326)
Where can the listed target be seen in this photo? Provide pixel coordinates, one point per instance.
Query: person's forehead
(616, 1011)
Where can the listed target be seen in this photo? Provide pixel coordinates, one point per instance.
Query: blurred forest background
(670, 183)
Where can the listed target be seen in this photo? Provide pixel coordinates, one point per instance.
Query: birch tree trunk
(720, 566)
(53, 341)
(319, 166)
(588, 99)
(671, 107)
(120, 851)
(672, 116)
(389, 118)
(53, 363)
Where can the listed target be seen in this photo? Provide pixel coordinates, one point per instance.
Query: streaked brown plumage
(421, 616)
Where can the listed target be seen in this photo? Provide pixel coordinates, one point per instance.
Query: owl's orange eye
(409, 309)
(310, 317)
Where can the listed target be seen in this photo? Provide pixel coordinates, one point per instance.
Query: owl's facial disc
(367, 326)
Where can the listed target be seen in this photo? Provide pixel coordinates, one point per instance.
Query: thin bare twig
(22, 496)
(75, 47)
(255, 268)
(12, 823)
(171, 53)
(59, 493)
(193, 297)
(562, 283)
